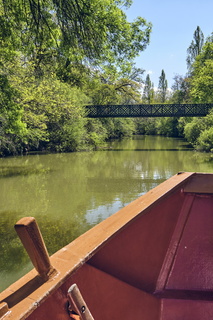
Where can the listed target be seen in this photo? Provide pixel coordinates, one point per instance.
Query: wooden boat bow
(151, 260)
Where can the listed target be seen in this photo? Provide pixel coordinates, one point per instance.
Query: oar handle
(77, 301)
(30, 235)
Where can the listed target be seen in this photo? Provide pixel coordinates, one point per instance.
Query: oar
(78, 304)
(30, 235)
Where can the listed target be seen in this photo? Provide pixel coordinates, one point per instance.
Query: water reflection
(69, 193)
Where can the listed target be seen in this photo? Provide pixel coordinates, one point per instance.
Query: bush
(146, 126)
(193, 130)
(182, 122)
(205, 141)
(12, 128)
(96, 133)
(53, 114)
(167, 127)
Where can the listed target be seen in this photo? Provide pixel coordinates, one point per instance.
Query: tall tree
(201, 82)
(195, 47)
(148, 91)
(162, 87)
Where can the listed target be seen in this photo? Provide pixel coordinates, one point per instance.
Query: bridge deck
(148, 110)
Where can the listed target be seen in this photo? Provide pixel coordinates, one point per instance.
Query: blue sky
(174, 23)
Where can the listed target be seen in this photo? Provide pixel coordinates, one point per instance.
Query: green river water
(70, 193)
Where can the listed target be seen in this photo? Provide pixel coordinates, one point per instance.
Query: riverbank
(93, 134)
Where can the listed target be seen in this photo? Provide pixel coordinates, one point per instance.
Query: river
(69, 193)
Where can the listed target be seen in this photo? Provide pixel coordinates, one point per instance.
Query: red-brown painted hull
(152, 260)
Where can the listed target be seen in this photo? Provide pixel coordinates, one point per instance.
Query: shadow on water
(160, 149)
(8, 171)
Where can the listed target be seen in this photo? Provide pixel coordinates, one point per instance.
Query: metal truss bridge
(148, 110)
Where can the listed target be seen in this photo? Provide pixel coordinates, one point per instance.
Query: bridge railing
(151, 110)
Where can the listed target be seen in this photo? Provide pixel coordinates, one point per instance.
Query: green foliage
(193, 129)
(53, 116)
(54, 112)
(146, 126)
(197, 130)
(182, 122)
(97, 133)
(205, 140)
(123, 127)
(180, 89)
(162, 87)
(74, 73)
(95, 29)
(148, 90)
(56, 57)
(202, 76)
(164, 126)
(195, 47)
(110, 87)
(12, 127)
(167, 127)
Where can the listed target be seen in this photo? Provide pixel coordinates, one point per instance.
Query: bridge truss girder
(148, 110)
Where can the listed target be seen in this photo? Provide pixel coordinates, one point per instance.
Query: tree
(199, 130)
(180, 89)
(167, 126)
(201, 81)
(51, 48)
(12, 127)
(210, 38)
(96, 30)
(162, 87)
(195, 47)
(148, 90)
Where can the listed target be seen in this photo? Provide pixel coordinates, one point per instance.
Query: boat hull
(151, 260)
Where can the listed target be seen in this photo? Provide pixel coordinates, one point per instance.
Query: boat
(152, 260)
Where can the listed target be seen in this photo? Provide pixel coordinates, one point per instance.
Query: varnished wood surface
(30, 235)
